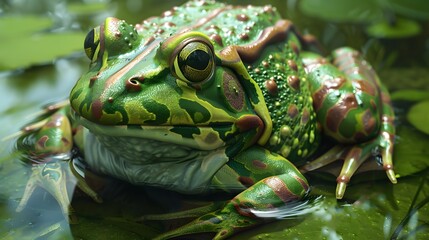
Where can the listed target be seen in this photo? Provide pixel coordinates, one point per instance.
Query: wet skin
(212, 97)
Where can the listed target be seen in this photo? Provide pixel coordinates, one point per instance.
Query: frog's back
(294, 133)
(225, 24)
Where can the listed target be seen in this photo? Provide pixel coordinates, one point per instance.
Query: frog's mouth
(197, 137)
(247, 130)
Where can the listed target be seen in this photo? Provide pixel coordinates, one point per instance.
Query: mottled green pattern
(215, 97)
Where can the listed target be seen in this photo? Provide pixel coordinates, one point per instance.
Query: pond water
(37, 69)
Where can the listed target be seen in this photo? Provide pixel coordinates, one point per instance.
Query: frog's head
(177, 89)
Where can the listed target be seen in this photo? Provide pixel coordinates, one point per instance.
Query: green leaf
(410, 95)
(411, 154)
(418, 116)
(402, 28)
(342, 11)
(26, 45)
(411, 8)
(19, 26)
(86, 8)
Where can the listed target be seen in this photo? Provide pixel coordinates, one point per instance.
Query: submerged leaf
(418, 116)
(342, 11)
(400, 29)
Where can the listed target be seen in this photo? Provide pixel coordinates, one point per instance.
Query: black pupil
(89, 40)
(198, 59)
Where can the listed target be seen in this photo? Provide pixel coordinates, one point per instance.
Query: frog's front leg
(272, 182)
(353, 108)
(47, 144)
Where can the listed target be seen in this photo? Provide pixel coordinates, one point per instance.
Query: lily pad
(401, 28)
(342, 11)
(86, 9)
(24, 44)
(418, 116)
(411, 151)
(410, 95)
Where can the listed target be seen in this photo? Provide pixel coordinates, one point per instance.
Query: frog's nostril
(133, 84)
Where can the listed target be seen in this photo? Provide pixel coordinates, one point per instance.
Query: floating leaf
(342, 11)
(401, 28)
(410, 95)
(24, 44)
(86, 9)
(19, 26)
(418, 116)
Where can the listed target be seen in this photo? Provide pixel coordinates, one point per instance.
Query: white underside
(195, 173)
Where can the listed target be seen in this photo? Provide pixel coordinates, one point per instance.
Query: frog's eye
(194, 62)
(92, 44)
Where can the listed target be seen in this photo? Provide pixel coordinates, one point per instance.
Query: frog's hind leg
(354, 109)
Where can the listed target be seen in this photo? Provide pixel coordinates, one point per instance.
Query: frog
(210, 97)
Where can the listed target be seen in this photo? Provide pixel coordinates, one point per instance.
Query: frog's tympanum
(213, 97)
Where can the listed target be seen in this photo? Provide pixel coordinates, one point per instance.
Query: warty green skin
(149, 113)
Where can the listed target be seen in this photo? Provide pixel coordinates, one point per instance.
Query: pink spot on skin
(343, 179)
(292, 111)
(246, 181)
(246, 123)
(305, 116)
(42, 141)
(292, 65)
(259, 164)
(97, 109)
(233, 91)
(388, 167)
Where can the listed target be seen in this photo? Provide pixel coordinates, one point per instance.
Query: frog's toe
(354, 157)
(222, 223)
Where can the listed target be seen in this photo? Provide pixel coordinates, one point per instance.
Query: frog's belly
(192, 173)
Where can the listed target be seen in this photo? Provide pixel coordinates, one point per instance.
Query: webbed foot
(223, 223)
(234, 218)
(354, 156)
